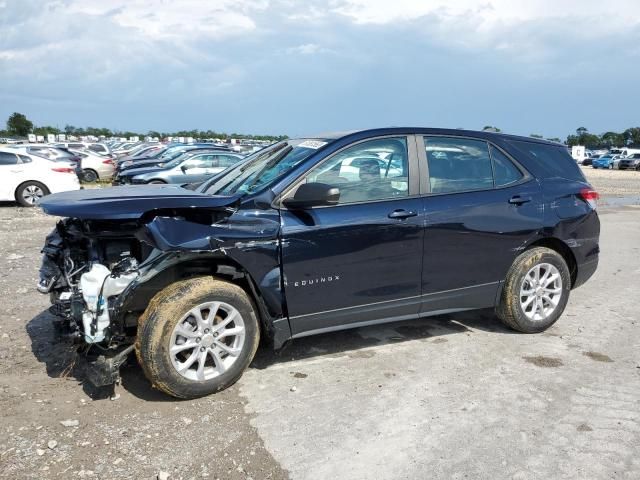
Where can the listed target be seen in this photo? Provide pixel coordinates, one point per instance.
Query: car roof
(374, 132)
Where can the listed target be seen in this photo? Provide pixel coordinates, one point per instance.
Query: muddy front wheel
(197, 337)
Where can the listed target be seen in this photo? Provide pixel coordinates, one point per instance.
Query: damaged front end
(101, 269)
(84, 268)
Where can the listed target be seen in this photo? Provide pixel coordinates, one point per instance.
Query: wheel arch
(94, 171)
(133, 301)
(563, 250)
(15, 192)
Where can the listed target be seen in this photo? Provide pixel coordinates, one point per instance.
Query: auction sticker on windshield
(315, 144)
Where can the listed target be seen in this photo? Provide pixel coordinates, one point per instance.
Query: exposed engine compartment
(86, 264)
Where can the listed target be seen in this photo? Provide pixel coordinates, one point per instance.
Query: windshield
(178, 160)
(263, 167)
(172, 152)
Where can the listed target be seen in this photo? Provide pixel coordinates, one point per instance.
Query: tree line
(19, 125)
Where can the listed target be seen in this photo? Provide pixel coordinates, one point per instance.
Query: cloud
(262, 65)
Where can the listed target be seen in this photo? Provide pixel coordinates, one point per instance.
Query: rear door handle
(402, 214)
(518, 200)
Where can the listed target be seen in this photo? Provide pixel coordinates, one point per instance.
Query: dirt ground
(456, 396)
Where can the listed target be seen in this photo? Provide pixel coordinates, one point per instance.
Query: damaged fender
(244, 244)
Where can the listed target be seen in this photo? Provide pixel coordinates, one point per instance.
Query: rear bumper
(586, 271)
(63, 182)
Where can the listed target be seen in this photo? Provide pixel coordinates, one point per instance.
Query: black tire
(89, 175)
(22, 193)
(509, 309)
(611, 166)
(156, 182)
(166, 310)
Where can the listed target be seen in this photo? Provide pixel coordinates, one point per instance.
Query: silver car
(94, 166)
(196, 168)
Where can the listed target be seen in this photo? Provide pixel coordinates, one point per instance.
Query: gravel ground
(451, 397)
(615, 183)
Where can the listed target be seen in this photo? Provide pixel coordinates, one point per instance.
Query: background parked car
(192, 169)
(172, 152)
(27, 178)
(100, 148)
(589, 160)
(93, 166)
(605, 161)
(630, 162)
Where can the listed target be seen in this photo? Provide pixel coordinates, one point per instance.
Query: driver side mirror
(183, 168)
(313, 195)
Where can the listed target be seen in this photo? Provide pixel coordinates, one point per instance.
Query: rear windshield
(548, 161)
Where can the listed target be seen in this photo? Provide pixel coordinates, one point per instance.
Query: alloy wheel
(207, 341)
(541, 291)
(32, 194)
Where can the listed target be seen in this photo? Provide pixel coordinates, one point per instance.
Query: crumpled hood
(131, 202)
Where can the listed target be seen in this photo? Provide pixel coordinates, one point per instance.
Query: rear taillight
(63, 170)
(108, 161)
(590, 196)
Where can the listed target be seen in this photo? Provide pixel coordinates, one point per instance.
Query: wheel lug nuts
(206, 330)
(202, 349)
(215, 334)
(198, 340)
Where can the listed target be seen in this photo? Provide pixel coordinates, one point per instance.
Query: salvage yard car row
(31, 171)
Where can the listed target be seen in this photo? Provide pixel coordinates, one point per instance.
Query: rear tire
(89, 175)
(29, 193)
(183, 344)
(527, 303)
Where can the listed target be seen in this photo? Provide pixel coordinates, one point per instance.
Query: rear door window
(458, 164)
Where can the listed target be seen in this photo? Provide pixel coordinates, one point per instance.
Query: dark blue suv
(314, 235)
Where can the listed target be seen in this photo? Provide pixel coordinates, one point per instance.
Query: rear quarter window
(548, 161)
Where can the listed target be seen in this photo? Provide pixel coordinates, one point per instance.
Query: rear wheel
(89, 175)
(535, 292)
(29, 193)
(197, 337)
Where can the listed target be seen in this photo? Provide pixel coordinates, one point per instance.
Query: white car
(94, 166)
(100, 148)
(26, 178)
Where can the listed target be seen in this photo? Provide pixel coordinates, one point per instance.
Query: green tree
(46, 130)
(19, 124)
(613, 139)
(489, 128)
(535, 135)
(632, 136)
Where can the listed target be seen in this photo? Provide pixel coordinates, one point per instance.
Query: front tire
(536, 291)
(29, 193)
(197, 337)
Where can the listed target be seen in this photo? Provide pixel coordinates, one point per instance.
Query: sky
(302, 67)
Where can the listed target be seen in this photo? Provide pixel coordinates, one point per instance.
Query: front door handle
(518, 200)
(400, 214)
